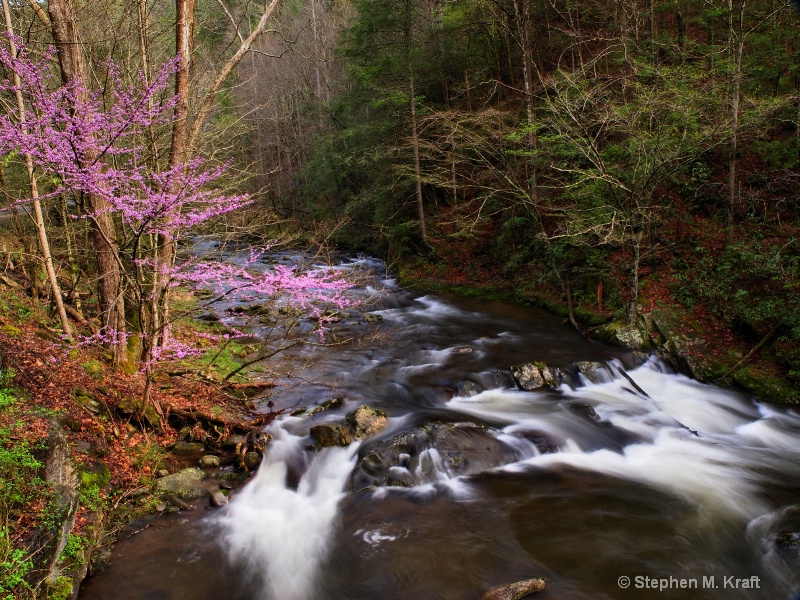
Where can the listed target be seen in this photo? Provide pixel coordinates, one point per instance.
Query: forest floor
(44, 382)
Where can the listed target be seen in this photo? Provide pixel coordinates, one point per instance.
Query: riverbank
(77, 462)
(691, 339)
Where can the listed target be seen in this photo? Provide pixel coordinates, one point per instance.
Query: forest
(599, 159)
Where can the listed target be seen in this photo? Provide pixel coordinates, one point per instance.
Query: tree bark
(112, 306)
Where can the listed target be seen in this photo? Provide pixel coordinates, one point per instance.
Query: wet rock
(331, 434)
(331, 404)
(429, 453)
(185, 484)
(528, 377)
(372, 318)
(252, 460)
(788, 539)
(594, 372)
(468, 389)
(184, 448)
(366, 421)
(219, 498)
(514, 591)
(209, 461)
(177, 503)
(232, 441)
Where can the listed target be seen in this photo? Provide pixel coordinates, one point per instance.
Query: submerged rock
(514, 591)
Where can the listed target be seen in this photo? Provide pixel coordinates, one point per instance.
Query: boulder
(366, 421)
(185, 484)
(209, 461)
(429, 453)
(594, 372)
(219, 498)
(252, 460)
(528, 377)
(534, 376)
(514, 591)
(372, 318)
(331, 434)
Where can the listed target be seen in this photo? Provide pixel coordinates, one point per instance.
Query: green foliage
(15, 564)
(753, 284)
(20, 486)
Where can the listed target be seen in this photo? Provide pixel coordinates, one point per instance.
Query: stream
(686, 491)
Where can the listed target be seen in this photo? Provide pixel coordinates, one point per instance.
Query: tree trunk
(44, 244)
(736, 41)
(417, 169)
(109, 279)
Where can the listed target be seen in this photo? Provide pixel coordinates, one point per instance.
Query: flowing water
(687, 486)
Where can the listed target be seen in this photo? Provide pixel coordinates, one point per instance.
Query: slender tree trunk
(637, 255)
(522, 10)
(736, 42)
(417, 169)
(41, 232)
(109, 284)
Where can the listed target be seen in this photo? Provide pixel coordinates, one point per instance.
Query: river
(685, 491)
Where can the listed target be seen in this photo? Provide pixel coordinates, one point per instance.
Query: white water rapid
(282, 532)
(640, 473)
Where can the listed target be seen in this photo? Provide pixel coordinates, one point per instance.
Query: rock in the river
(230, 442)
(331, 404)
(209, 461)
(594, 372)
(529, 377)
(188, 448)
(331, 434)
(252, 460)
(366, 421)
(219, 498)
(186, 484)
(426, 453)
(372, 318)
(514, 591)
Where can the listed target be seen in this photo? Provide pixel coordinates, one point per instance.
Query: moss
(11, 330)
(130, 406)
(60, 589)
(766, 386)
(95, 473)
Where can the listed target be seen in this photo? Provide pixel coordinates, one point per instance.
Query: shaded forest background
(592, 154)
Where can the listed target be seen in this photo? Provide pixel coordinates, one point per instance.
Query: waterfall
(281, 532)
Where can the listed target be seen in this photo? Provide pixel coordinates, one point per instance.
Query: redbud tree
(91, 142)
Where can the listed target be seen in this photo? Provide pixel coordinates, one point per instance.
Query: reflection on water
(593, 483)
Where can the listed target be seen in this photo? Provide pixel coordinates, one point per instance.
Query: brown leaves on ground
(48, 373)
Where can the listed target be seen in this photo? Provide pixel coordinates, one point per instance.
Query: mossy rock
(60, 589)
(766, 386)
